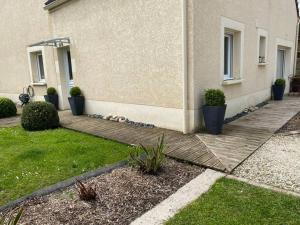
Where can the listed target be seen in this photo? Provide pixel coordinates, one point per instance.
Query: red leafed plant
(86, 193)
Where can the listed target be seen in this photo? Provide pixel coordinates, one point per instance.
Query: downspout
(296, 47)
(185, 67)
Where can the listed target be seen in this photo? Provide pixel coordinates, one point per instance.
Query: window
(40, 67)
(262, 47)
(232, 50)
(37, 65)
(228, 56)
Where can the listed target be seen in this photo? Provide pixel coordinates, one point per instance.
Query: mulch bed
(292, 125)
(123, 195)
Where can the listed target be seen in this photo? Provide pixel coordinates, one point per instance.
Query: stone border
(184, 196)
(64, 184)
(265, 186)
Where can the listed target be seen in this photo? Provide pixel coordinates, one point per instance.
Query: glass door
(280, 63)
(68, 69)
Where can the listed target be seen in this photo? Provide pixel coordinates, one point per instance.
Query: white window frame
(238, 31)
(32, 54)
(262, 33)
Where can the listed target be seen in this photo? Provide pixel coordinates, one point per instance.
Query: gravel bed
(276, 163)
(292, 125)
(123, 195)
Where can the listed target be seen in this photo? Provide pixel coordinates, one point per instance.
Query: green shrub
(75, 91)
(214, 97)
(152, 159)
(7, 108)
(11, 218)
(51, 91)
(280, 82)
(39, 116)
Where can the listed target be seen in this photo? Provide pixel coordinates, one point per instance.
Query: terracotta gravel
(123, 195)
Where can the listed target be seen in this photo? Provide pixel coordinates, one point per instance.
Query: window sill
(263, 64)
(39, 84)
(55, 4)
(232, 82)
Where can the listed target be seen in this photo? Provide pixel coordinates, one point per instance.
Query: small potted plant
(214, 111)
(52, 96)
(278, 89)
(76, 101)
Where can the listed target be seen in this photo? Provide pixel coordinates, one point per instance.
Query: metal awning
(56, 42)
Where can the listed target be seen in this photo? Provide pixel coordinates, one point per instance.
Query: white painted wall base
(169, 118)
(237, 105)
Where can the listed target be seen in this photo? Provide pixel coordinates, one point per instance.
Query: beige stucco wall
(127, 55)
(22, 23)
(278, 17)
(125, 51)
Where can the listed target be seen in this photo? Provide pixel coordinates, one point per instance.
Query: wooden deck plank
(240, 138)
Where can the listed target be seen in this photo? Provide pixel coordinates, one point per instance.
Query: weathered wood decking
(224, 152)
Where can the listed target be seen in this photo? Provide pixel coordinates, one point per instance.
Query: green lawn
(231, 202)
(32, 160)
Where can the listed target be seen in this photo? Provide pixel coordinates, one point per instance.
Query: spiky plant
(151, 160)
(86, 193)
(12, 218)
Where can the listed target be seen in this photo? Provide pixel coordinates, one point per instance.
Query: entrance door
(68, 69)
(280, 63)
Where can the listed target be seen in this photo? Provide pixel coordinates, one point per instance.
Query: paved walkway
(225, 152)
(9, 122)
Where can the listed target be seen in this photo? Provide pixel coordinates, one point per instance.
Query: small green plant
(86, 193)
(214, 97)
(39, 116)
(51, 91)
(7, 108)
(75, 91)
(280, 82)
(152, 160)
(12, 218)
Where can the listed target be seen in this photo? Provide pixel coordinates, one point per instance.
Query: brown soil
(292, 125)
(123, 195)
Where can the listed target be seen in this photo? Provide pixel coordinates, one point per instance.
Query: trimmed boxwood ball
(7, 108)
(51, 91)
(280, 82)
(75, 91)
(39, 116)
(214, 97)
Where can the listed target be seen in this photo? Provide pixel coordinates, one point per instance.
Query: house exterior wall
(277, 17)
(128, 57)
(21, 24)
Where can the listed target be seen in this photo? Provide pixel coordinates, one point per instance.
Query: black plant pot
(52, 99)
(214, 118)
(278, 92)
(77, 105)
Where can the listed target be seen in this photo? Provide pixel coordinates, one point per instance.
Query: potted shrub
(52, 96)
(278, 89)
(214, 111)
(76, 101)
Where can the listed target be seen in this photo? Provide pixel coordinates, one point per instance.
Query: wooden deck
(225, 152)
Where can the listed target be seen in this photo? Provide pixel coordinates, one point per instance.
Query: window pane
(70, 66)
(226, 47)
(41, 67)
